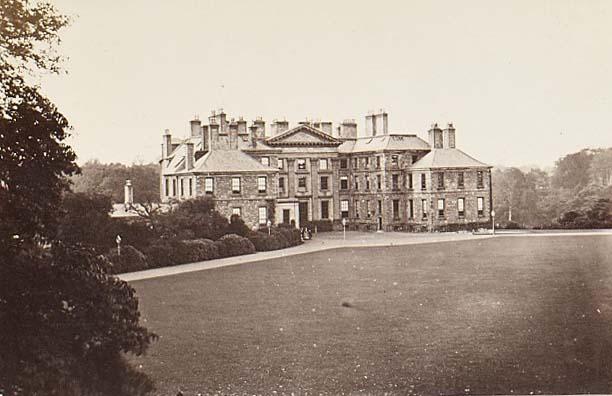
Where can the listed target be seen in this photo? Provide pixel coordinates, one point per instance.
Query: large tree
(65, 323)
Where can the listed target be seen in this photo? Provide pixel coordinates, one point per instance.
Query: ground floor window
(324, 210)
(174, 187)
(344, 207)
(343, 183)
(209, 185)
(410, 209)
(166, 187)
(301, 182)
(263, 215)
(190, 187)
(440, 207)
(461, 207)
(480, 206)
(182, 186)
(237, 211)
(424, 208)
(356, 208)
(281, 184)
(396, 206)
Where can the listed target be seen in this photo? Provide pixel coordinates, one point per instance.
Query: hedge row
(166, 253)
(275, 238)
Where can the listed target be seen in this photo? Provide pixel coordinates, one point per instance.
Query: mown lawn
(504, 315)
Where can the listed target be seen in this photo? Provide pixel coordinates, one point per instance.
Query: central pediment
(303, 135)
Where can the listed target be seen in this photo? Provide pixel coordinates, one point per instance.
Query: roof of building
(303, 135)
(384, 142)
(229, 161)
(448, 158)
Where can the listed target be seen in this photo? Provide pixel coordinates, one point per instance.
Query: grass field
(504, 315)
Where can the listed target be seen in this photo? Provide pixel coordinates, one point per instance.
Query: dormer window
(236, 185)
(323, 165)
(265, 161)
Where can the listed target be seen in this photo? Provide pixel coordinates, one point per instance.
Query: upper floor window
(324, 184)
(479, 179)
(409, 177)
(378, 161)
(367, 182)
(209, 185)
(343, 183)
(366, 162)
(423, 181)
(265, 161)
(301, 182)
(355, 163)
(262, 182)
(280, 163)
(415, 158)
(379, 182)
(460, 180)
(301, 164)
(235, 185)
(323, 164)
(395, 160)
(440, 180)
(356, 183)
(281, 184)
(343, 163)
(395, 182)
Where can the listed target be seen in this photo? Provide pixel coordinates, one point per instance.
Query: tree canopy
(66, 324)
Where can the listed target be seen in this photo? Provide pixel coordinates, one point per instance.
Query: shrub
(201, 249)
(234, 245)
(130, 260)
(165, 253)
(237, 226)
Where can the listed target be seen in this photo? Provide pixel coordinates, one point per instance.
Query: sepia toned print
(294, 198)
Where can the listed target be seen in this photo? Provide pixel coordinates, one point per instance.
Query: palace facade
(375, 179)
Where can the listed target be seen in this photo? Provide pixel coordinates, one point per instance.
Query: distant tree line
(109, 180)
(577, 193)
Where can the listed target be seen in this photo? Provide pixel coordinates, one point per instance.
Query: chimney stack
(253, 135)
(261, 128)
(242, 126)
(205, 139)
(326, 126)
(196, 127)
(166, 144)
(279, 127)
(448, 136)
(128, 193)
(189, 156)
(435, 137)
(347, 130)
(376, 124)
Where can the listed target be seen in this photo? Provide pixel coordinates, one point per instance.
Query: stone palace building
(375, 179)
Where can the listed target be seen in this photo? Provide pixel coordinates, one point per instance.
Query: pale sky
(524, 82)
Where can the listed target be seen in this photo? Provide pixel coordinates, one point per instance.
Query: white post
(118, 240)
(269, 224)
(493, 220)
(344, 229)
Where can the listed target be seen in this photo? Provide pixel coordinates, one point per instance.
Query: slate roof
(448, 158)
(229, 161)
(384, 142)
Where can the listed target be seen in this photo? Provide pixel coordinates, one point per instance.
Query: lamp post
(344, 228)
(269, 224)
(118, 240)
(493, 220)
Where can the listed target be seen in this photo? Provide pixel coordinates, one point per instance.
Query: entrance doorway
(303, 213)
(379, 223)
